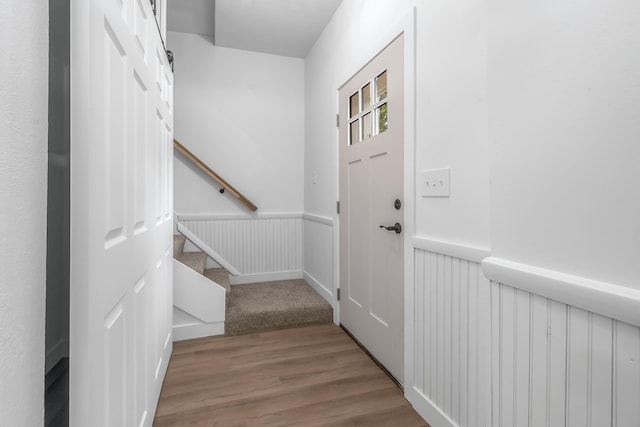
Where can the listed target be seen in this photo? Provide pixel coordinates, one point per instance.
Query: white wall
(451, 115)
(23, 194)
(451, 108)
(564, 101)
(534, 107)
(242, 113)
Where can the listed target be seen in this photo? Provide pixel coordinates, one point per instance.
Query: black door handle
(395, 227)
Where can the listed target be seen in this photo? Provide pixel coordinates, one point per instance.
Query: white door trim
(406, 25)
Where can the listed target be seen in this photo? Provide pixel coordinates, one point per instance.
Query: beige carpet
(273, 305)
(178, 244)
(260, 306)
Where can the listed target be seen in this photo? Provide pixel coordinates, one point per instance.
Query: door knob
(395, 227)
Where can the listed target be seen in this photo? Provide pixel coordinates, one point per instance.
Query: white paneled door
(371, 196)
(121, 211)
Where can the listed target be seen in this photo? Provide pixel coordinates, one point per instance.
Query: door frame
(406, 25)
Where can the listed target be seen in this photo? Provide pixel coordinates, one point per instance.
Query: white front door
(121, 213)
(371, 192)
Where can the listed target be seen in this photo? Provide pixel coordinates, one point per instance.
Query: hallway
(312, 376)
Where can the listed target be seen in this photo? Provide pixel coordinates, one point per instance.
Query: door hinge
(338, 207)
(338, 293)
(337, 120)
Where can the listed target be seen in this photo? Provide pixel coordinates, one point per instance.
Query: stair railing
(206, 169)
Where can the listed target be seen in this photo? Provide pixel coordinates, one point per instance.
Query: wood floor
(312, 376)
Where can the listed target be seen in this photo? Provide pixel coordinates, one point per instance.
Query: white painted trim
(408, 25)
(197, 330)
(186, 327)
(427, 409)
(608, 299)
(196, 295)
(242, 279)
(318, 219)
(319, 288)
(206, 249)
(223, 217)
(456, 250)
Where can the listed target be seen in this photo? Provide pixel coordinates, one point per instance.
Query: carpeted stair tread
(195, 260)
(221, 277)
(178, 244)
(274, 305)
(218, 275)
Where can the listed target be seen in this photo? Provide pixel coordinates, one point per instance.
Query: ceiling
(279, 27)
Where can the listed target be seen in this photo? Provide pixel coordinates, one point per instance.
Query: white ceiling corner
(191, 16)
(279, 27)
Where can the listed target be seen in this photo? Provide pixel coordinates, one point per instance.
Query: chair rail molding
(608, 299)
(457, 250)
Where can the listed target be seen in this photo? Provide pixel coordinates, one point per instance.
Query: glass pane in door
(381, 118)
(381, 86)
(354, 132)
(367, 129)
(366, 96)
(354, 105)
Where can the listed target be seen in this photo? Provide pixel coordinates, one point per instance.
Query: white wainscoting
(490, 354)
(452, 337)
(557, 365)
(319, 256)
(267, 246)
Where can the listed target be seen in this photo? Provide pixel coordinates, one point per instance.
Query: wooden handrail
(206, 169)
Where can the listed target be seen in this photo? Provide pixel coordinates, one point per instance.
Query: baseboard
(428, 410)
(186, 327)
(319, 288)
(56, 353)
(242, 279)
(188, 332)
(607, 299)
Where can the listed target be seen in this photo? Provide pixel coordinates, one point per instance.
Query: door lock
(395, 227)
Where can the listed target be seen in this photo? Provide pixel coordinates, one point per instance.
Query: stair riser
(178, 245)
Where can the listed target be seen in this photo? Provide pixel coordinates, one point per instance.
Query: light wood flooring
(311, 376)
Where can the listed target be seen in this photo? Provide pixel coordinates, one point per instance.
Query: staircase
(246, 308)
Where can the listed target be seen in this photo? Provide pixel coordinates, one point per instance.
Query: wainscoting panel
(557, 365)
(452, 318)
(319, 255)
(253, 245)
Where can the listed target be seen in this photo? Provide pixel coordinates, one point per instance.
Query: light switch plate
(435, 182)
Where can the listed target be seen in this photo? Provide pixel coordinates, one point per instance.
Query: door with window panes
(371, 192)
